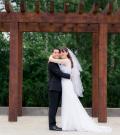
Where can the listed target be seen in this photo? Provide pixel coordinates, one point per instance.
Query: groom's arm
(56, 70)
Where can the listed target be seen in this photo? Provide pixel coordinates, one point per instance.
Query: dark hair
(69, 57)
(56, 49)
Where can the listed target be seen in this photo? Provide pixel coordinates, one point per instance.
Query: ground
(38, 125)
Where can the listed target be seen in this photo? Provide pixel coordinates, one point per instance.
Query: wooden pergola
(96, 22)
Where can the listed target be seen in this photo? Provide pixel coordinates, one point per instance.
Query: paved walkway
(38, 125)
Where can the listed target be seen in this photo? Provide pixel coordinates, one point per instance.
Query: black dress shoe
(55, 128)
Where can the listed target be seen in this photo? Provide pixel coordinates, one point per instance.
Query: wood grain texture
(102, 82)
(95, 75)
(20, 72)
(8, 7)
(13, 74)
(73, 18)
(37, 6)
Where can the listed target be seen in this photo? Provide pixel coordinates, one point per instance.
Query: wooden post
(102, 115)
(13, 77)
(20, 73)
(95, 74)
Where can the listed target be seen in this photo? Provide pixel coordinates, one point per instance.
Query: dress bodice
(65, 69)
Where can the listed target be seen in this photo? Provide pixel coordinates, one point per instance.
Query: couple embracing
(65, 84)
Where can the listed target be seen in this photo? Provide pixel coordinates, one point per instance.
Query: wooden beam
(66, 7)
(4, 27)
(46, 27)
(37, 6)
(22, 6)
(95, 8)
(35, 27)
(52, 6)
(109, 8)
(13, 74)
(81, 7)
(73, 18)
(102, 82)
(20, 72)
(114, 28)
(8, 7)
(95, 97)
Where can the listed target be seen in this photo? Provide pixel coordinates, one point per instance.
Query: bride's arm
(59, 61)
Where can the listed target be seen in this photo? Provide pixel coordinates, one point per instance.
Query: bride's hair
(69, 57)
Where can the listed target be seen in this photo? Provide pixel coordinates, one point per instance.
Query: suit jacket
(55, 75)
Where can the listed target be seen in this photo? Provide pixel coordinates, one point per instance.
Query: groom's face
(56, 53)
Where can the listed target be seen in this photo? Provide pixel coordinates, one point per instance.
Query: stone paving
(38, 125)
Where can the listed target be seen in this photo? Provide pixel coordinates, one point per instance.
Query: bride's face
(63, 54)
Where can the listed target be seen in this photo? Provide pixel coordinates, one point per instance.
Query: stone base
(43, 111)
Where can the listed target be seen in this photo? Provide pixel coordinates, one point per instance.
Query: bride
(73, 115)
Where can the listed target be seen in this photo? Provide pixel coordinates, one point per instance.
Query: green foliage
(114, 70)
(4, 70)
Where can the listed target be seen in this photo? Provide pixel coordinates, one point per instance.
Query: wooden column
(20, 73)
(95, 38)
(102, 115)
(13, 71)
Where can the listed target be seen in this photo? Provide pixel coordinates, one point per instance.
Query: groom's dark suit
(54, 90)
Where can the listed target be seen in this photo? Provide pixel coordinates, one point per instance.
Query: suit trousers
(54, 101)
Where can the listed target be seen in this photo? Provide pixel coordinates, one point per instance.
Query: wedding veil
(75, 75)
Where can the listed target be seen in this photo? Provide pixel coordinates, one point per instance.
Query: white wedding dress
(73, 114)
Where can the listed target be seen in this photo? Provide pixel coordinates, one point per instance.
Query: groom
(54, 89)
